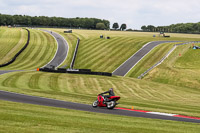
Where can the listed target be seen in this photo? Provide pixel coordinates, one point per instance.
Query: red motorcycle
(110, 102)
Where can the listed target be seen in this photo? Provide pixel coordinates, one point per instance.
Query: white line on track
(56, 49)
(159, 113)
(67, 50)
(131, 57)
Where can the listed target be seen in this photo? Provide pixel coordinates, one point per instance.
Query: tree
(150, 27)
(144, 28)
(123, 27)
(100, 26)
(23, 20)
(115, 26)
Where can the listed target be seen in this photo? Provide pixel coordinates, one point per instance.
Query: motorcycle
(110, 102)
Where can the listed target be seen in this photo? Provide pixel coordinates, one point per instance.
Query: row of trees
(175, 28)
(116, 26)
(24, 20)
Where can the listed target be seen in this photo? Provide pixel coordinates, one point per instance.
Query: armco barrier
(74, 71)
(75, 53)
(14, 58)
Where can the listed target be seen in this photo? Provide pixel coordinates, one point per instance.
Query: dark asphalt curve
(8, 71)
(9, 96)
(62, 50)
(123, 69)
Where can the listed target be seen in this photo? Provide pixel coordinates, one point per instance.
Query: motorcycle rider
(111, 93)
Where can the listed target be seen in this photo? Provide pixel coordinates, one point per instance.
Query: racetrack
(124, 68)
(60, 56)
(9, 96)
(62, 50)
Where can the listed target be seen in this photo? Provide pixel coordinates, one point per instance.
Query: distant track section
(159, 62)
(62, 50)
(124, 68)
(14, 58)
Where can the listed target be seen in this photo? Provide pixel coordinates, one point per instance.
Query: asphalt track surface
(124, 68)
(7, 71)
(14, 97)
(62, 50)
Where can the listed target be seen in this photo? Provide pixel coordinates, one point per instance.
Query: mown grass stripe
(35, 54)
(9, 39)
(34, 81)
(40, 51)
(26, 54)
(98, 52)
(11, 80)
(53, 82)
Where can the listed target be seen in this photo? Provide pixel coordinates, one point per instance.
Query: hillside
(11, 41)
(180, 69)
(172, 87)
(84, 88)
(108, 54)
(40, 51)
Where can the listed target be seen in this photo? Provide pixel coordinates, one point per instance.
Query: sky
(134, 13)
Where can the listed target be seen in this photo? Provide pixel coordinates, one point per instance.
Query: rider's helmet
(111, 89)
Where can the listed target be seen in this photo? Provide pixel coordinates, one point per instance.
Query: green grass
(150, 59)
(11, 41)
(141, 94)
(175, 86)
(18, 117)
(179, 70)
(41, 49)
(108, 54)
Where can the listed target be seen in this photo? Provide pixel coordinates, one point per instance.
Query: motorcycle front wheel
(95, 104)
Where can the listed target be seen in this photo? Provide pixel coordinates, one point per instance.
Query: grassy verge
(150, 59)
(40, 51)
(18, 117)
(11, 41)
(180, 69)
(141, 94)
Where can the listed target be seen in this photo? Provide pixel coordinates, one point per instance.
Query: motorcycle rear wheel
(111, 104)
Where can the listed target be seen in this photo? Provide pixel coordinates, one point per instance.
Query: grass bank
(18, 117)
(11, 41)
(181, 68)
(40, 51)
(141, 94)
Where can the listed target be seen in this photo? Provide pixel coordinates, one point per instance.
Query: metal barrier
(14, 58)
(74, 71)
(75, 53)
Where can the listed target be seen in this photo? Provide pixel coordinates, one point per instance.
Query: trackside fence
(74, 71)
(75, 53)
(14, 58)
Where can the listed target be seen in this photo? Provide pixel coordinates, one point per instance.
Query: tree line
(174, 28)
(24, 20)
(116, 26)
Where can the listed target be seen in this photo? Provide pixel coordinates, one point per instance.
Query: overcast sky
(134, 13)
